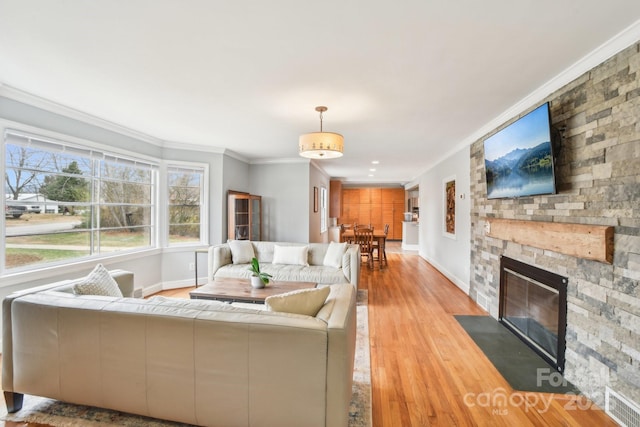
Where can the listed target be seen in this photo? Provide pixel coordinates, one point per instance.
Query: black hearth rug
(523, 369)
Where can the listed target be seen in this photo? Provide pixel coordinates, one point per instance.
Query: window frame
(323, 210)
(83, 146)
(204, 202)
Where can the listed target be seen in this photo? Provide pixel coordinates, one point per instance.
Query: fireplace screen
(533, 305)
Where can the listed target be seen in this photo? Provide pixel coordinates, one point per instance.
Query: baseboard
(408, 247)
(150, 290)
(175, 284)
(464, 286)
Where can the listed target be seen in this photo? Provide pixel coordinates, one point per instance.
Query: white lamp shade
(321, 145)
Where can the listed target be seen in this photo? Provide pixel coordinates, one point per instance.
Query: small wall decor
(315, 199)
(450, 207)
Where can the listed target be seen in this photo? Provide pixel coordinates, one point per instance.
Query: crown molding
(316, 165)
(279, 161)
(621, 41)
(15, 94)
(193, 147)
(235, 155)
(53, 107)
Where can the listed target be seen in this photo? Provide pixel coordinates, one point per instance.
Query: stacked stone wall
(598, 182)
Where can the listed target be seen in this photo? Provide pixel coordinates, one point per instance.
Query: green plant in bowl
(256, 273)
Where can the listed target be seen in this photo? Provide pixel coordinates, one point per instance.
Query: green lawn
(20, 257)
(44, 248)
(108, 238)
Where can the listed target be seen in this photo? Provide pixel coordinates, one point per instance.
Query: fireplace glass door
(535, 309)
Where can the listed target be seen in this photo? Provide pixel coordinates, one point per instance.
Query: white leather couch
(193, 361)
(221, 264)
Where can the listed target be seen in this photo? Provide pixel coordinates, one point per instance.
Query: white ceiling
(406, 81)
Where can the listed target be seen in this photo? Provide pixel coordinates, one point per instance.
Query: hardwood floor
(426, 371)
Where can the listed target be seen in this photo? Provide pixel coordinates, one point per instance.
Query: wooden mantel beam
(593, 242)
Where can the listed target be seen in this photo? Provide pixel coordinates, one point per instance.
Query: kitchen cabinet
(244, 216)
(335, 199)
(375, 206)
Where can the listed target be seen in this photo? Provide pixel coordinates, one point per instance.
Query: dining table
(378, 235)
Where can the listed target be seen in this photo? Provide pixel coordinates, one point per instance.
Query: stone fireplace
(597, 182)
(533, 305)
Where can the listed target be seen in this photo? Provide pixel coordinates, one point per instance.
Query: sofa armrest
(219, 255)
(341, 330)
(351, 264)
(124, 279)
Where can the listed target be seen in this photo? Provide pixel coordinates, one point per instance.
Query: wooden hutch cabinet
(244, 216)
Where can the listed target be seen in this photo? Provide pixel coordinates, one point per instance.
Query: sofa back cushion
(241, 251)
(333, 257)
(291, 255)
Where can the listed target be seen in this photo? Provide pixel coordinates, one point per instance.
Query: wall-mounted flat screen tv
(519, 158)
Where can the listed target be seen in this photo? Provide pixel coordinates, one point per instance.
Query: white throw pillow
(294, 255)
(303, 301)
(98, 282)
(333, 257)
(241, 251)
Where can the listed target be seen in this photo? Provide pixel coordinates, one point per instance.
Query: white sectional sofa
(193, 361)
(315, 267)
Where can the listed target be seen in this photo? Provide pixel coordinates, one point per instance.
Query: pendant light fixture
(321, 145)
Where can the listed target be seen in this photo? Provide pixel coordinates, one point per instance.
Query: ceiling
(405, 82)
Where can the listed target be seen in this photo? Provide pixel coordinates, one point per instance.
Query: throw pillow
(303, 301)
(294, 255)
(333, 257)
(241, 251)
(98, 282)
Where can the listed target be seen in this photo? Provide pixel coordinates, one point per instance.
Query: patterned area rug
(59, 414)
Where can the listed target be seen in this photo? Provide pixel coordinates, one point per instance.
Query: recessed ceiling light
(372, 170)
(375, 162)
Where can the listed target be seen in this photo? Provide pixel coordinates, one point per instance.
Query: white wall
(235, 176)
(284, 188)
(450, 256)
(319, 179)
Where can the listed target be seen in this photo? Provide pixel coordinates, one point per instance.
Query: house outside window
(64, 202)
(187, 204)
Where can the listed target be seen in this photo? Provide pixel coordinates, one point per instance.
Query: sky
(528, 131)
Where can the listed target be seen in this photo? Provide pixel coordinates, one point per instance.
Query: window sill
(80, 267)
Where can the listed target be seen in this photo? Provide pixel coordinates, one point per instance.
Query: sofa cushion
(303, 301)
(333, 257)
(98, 282)
(290, 255)
(241, 251)
(288, 273)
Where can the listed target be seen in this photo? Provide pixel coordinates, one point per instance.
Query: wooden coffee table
(240, 290)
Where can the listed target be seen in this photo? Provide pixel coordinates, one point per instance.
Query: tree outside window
(186, 207)
(73, 201)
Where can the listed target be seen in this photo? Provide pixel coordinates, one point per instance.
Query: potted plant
(258, 279)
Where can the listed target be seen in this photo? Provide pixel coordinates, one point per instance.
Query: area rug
(523, 369)
(59, 414)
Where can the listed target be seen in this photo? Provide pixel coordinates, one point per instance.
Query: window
(323, 209)
(64, 202)
(187, 206)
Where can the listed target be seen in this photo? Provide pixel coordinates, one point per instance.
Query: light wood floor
(426, 371)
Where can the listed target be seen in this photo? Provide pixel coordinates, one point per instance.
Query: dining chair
(344, 238)
(364, 238)
(379, 247)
